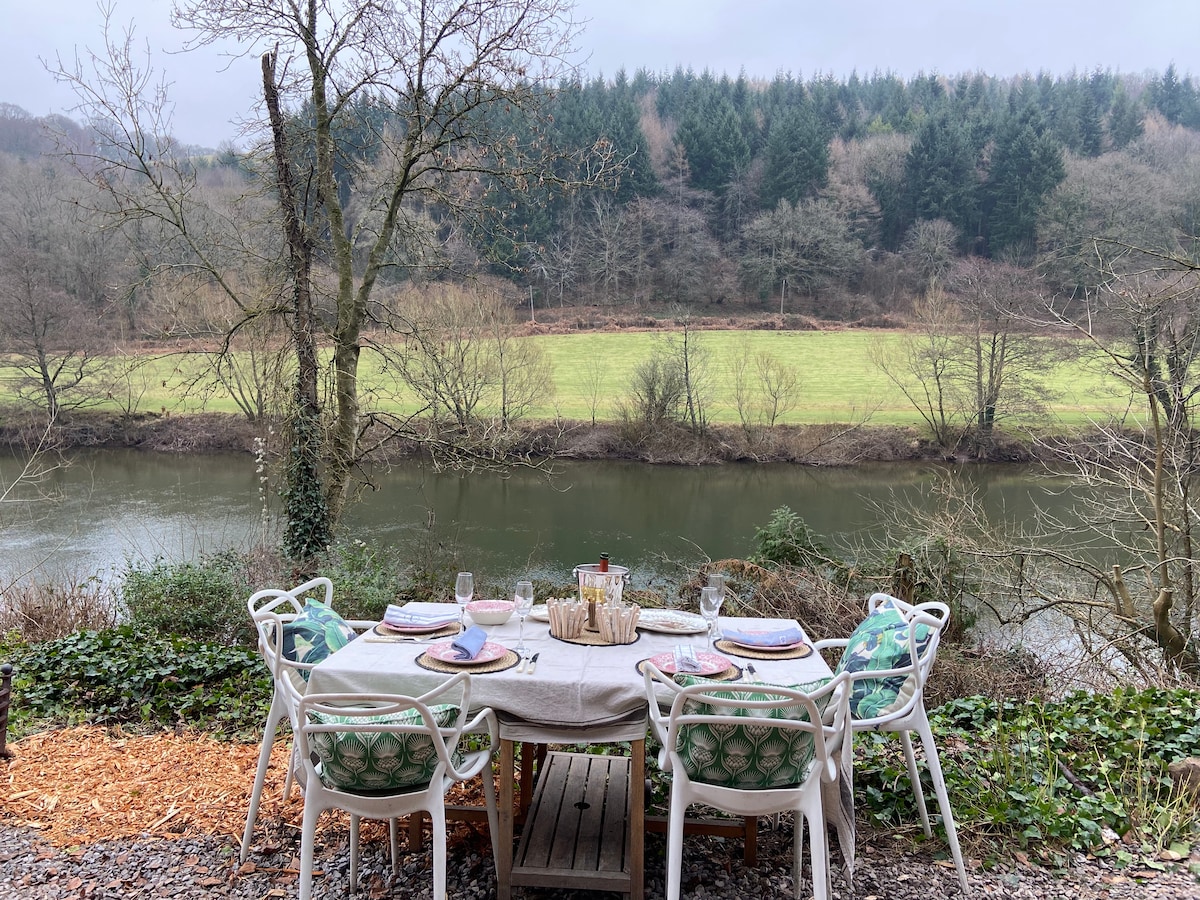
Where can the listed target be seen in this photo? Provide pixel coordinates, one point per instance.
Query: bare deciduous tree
(51, 337)
(452, 73)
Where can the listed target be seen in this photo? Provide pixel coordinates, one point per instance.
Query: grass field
(839, 382)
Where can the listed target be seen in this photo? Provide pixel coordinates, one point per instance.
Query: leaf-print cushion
(754, 756)
(881, 642)
(366, 761)
(314, 634)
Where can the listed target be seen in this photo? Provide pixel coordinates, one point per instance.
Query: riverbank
(814, 445)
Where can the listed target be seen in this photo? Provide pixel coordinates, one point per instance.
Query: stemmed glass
(710, 607)
(464, 590)
(523, 598)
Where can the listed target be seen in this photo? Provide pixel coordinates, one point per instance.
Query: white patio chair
(271, 610)
(750, 750)
(388, 755)
(888, 660)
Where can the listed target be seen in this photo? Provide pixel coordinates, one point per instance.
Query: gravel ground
(207, 868)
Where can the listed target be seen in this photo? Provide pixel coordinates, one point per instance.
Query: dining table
(580, 692)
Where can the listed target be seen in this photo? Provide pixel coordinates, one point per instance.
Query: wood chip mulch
(88, 784)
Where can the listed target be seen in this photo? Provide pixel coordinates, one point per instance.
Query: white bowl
(490, 612)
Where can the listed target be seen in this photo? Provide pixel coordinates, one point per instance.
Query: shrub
(129, 675)
(787, 540)
(1053, 775)
(44, 610)
(205, 600)
(365, 578)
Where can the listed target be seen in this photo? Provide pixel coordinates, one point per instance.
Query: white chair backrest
(750, 704)
(271, 609)
(456, 691)
(931, 614)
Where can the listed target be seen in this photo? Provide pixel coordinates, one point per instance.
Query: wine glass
(464, 590)
(710, 607)
(523, 598)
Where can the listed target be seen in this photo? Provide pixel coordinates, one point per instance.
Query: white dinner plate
(671, 621)
(446, 652)
(540, 612)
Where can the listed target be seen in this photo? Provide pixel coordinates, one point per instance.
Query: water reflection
(124, 504)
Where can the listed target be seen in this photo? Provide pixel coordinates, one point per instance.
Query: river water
(113, 506)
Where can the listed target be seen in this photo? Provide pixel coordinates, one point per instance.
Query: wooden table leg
(415, 837)
(637, 820)
(504, 863)
(528, 752)
(750, 852)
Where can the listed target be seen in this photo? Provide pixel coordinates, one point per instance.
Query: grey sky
(999, 37)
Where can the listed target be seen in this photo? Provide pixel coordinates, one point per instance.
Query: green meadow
(838, 380)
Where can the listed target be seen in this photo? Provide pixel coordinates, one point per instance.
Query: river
(113, 506)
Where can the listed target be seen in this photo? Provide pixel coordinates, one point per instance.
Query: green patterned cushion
(745, 756)
(881, 642)
(314, 634)
(377, 760)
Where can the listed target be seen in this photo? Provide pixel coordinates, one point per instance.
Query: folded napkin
(470, 642)
(685, 659)
(399, 617)
(781, 638)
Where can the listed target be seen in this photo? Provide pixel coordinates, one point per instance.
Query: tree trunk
(308, 530)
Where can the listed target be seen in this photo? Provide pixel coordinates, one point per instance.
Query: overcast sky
(762, 37)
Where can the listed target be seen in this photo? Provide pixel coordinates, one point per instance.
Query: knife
(532, 663)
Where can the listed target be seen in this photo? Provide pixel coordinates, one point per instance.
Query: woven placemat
(593, 639)
(737, 650)
(507, 661)
(733, 673)
(383, 635)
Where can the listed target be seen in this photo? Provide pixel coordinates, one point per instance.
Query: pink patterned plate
(710, 663)
(445, 652)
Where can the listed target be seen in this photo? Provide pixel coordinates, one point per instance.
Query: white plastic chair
(323, 793)
(271, 609)
(911, 715)
(738, 705)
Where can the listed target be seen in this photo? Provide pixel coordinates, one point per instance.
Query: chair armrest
(485, 716)
(362, 624)
(830, 643)
(478, 762)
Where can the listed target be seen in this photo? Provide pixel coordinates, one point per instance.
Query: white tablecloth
(574, 686)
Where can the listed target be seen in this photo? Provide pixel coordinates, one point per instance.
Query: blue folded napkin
(470, 642)
(398, 616)
(765, 638)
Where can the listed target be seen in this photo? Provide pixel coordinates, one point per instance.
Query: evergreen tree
(1124, 119)
(1026, 165)
(1167, 95)
(941, 180)
(622, 126)
(797, 158)
(711, 135)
